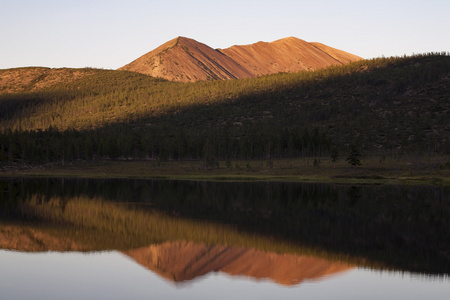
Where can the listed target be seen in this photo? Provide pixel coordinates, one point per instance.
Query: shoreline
(428, 171)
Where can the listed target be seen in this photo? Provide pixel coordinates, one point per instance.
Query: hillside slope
(386, 106)
(339, 55)
(184, 59)
(36, 78)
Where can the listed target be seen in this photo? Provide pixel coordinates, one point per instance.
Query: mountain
(182, 261)
(287, 55)
(184, 59)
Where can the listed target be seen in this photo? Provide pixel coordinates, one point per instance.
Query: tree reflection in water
(383, 227)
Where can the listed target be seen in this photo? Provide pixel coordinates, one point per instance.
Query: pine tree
(354, 156)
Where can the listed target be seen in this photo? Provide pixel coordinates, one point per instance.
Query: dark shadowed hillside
(384, 106)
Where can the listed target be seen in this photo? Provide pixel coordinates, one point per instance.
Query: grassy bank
(406, 170)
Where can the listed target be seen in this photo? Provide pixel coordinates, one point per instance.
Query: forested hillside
(384, 106)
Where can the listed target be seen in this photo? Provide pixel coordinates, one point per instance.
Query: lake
(139, 239)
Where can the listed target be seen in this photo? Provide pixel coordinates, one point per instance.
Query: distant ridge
(185, 59)
(31, 79)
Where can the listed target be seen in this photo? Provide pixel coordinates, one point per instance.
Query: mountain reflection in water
(181, 261)
(288, 232)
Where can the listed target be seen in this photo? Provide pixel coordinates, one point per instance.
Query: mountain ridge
(184, 59)
(32, 79)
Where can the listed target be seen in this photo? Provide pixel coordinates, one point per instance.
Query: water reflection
(111, 275)
(182, 261)
(382, 227)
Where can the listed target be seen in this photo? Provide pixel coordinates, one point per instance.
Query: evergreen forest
(383, 106)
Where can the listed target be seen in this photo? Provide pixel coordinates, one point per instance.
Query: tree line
(123, 142)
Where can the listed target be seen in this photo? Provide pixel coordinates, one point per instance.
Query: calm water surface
(111, 275)
(137, 239)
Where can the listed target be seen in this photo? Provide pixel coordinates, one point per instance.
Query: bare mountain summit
(184, 59)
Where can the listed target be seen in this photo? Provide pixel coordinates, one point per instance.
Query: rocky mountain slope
(287, 55)
(184, 59)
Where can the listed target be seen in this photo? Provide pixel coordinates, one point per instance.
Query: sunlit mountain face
(185, 59)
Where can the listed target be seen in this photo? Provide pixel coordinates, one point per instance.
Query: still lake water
(140, 239)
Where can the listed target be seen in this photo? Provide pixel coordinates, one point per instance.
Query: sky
(111, 33)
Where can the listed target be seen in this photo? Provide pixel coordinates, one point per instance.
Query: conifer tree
(354, 156)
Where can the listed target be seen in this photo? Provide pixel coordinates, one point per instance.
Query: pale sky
(111, 33)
